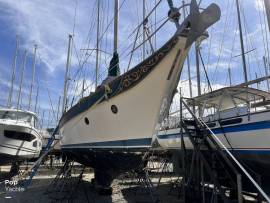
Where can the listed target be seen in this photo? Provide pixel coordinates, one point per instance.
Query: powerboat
(19, 138)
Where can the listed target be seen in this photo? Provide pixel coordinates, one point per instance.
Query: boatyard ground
(124, 190)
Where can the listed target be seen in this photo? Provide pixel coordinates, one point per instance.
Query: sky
(49, 23)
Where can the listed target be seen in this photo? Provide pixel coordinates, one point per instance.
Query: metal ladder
(211, 174)
(33, 170)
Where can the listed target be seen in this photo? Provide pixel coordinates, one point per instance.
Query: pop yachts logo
(12, 186)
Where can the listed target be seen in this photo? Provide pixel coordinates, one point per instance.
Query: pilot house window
(19, 135)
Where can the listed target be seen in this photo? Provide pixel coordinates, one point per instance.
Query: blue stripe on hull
(243, 127)
(170, 136)
(251, 151)
(237, 128)
(117, 143)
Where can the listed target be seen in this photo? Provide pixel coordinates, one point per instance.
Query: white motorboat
(19, 138)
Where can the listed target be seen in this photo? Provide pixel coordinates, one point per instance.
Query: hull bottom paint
(257, 164)
(107, 164)
(257, 161)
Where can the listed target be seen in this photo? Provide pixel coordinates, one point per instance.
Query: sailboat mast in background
(241, 41)
(14, 65)
(21, 82)
(33, 76)
(66, 75)
(267, 9)
(266, 60)
(188, 59)
(144, 28)
(97, 45)
(116, 14)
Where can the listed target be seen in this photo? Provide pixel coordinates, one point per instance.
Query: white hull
(251, 135)
(17, 149)
(138, 110)
(108, 129)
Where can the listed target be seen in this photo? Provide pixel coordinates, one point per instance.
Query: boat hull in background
(249, 142)
(18, 142)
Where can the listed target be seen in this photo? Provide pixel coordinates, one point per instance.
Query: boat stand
(143, 179)
(15, 172)
(65, 186)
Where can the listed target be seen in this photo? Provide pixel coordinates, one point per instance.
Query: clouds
(259, 5)
(46, 23)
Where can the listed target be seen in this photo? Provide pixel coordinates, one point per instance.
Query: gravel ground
(124, 190)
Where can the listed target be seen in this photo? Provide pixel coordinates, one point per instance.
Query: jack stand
(64, 186)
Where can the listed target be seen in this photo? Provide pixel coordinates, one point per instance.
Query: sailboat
(240, 118)
(109, 129)
(19, 138)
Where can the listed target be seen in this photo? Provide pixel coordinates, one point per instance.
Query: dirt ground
(71, 190)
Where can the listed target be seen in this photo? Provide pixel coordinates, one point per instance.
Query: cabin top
(230, 97)
(18, 110)
(19, 115)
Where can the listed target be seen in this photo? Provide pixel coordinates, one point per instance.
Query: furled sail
(114, 69)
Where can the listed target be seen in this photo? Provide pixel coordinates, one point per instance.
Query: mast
(33, 76)
(144, 27)
(230, 76)
(115, 41)
(83, 87)
(97, 45)
(258, 87)
(36, 99)
(114, 70)
(197, 47)
(42, 119)
(241, 41)
(48, 119)
(188, 59)
(267, 9)
(58, 108)
(13, 72)
(22, 75)
(189, 77)
(266, 72)
(66, 75)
